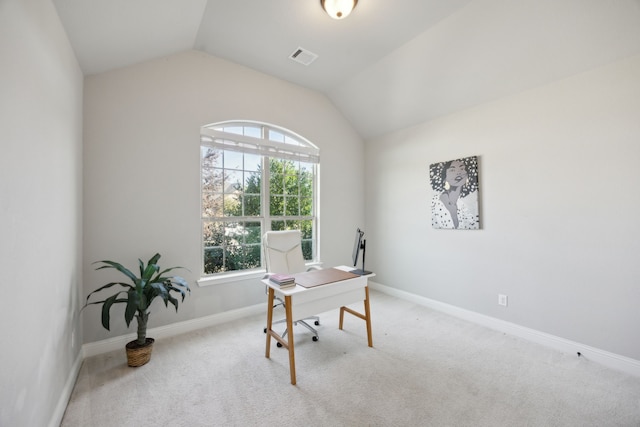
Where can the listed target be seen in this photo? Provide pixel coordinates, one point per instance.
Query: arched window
(255, 177)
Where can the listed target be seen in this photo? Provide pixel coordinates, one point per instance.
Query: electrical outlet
(502, 300)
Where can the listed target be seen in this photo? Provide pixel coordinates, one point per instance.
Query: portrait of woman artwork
(454, 204)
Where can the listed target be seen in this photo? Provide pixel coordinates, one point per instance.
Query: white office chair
(283, 254)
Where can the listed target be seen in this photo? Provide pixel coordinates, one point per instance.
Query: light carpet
(426, 369)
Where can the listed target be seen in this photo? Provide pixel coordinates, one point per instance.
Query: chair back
(283, 252)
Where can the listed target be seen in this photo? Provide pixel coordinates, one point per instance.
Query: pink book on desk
(282, 279)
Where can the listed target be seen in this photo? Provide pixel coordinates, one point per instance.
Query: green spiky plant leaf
(140, 292)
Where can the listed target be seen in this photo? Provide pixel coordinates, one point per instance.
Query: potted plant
(138, 296)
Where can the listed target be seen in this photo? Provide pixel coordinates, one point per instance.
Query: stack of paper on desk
(282, 280)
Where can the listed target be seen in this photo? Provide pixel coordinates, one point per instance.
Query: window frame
(291, 147)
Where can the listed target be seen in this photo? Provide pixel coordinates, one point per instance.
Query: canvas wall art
(454, 204)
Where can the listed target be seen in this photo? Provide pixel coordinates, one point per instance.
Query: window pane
(307, 249)
(233, 160)
(207, 179)
(254, 233)
(291, 141)
(233, 129)
(306, 227)
(232, 260)
(230, 244)
(291, 185)
(277, 225)
(218, 180)
(213, 233)
(233, 181)
(213, 260)
(253, 131)
(292, 206)
(210, 157)
(276, 207)
(212, 180)
(251, 205)
(238, 254)
(292, 225)
(252, 183)
(276, 183)
(306, 206)
(232, 232)
(232, 205)
(251, 256)
(275, 136)
(252, 162)
(289, 167)
(306, 184)
(306, 168)
(211, 205)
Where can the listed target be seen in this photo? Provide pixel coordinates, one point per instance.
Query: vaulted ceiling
(389, 65)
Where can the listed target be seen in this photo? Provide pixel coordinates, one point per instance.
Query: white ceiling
(389, 65)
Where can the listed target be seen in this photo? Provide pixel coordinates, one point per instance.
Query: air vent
(303, 56)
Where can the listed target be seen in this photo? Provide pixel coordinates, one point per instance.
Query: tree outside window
(245, 194)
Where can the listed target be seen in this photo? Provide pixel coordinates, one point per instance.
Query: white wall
(559, 200)
(141, 177)
(40, 214)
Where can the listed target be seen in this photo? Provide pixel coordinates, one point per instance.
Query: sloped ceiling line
(388, 65)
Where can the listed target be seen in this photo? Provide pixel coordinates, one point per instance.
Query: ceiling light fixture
(338, 9)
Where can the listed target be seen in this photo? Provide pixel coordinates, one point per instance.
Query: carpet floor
(426, 369)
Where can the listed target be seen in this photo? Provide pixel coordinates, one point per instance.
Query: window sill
(231, 277)
(238, 276)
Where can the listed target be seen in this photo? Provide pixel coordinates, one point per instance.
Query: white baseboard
(118, 343)
(605, 358)
(65, 395)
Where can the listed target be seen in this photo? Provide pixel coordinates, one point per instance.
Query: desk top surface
(324, 274)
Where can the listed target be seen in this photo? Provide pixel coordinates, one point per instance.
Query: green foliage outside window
(232, 211)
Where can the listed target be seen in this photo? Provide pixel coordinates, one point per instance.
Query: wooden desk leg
(270, 300)
(367, 313)
(366, 316)
(292, 362)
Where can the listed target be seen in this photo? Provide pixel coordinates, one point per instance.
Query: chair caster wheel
(315, 338)
(264, 330)
(279, 345)
(317, 323)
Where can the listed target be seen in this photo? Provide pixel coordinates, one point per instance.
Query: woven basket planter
(138, 355)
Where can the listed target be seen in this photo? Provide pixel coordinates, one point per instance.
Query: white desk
(301, 302)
